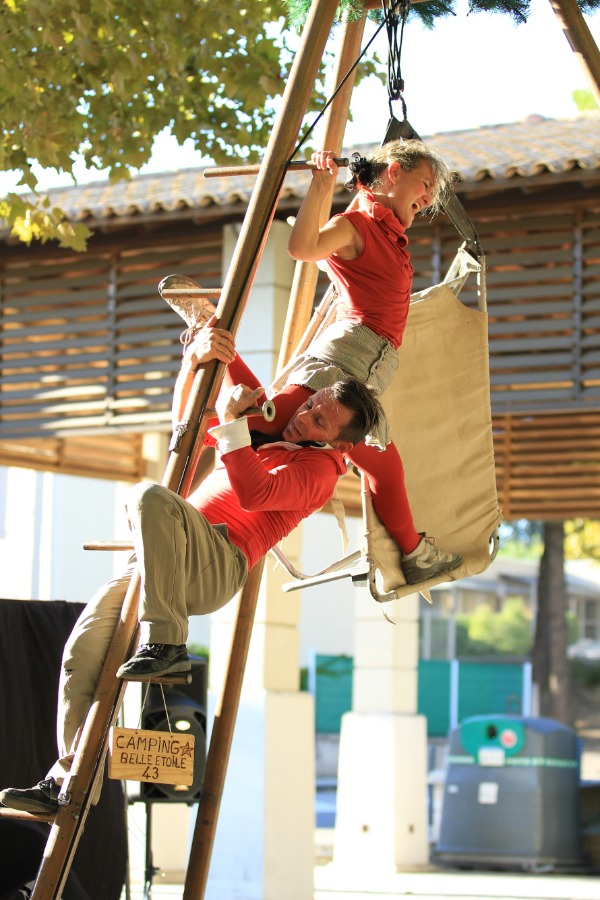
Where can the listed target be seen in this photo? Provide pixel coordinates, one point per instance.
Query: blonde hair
(367, 171)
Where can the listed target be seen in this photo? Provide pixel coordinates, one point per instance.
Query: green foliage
(298, 10)
(572, 627)
(103, 78)
(428, 12)
(108, 76)
(352, 10)
(486, 633)
(521, 539)
(582, 539)
(585, 100)
(505, 633)
(29, 221)
(199, 650)
(304, 678)
(584, 673)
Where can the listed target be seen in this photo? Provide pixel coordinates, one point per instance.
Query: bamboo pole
(221, 739)
(261, 209)
(88, 765)
(295, 102)
(222, 734)
(307, 273)
(580, 40)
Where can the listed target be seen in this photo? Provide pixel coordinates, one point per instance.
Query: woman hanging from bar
(364, 251)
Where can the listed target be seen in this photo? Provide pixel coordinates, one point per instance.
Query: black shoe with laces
(43, 798)
(155, 659)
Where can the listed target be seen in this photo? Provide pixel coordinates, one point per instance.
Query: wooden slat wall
(548, 465)
(88, 347)
(544, 307)
(117, 457)
(86, 342)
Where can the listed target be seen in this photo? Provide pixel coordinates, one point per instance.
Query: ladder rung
(190, 291)
(108, 545)
(6, 813)
(174, 678)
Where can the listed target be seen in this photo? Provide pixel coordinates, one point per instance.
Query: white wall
(45, 520)
(327, 621)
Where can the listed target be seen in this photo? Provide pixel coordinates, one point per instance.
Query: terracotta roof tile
(515, 150)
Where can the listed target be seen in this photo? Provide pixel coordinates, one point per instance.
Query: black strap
(258, 438)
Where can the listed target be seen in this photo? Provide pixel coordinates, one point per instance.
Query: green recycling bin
(511, 797)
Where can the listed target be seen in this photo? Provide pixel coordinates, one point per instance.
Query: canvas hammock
(438, 406)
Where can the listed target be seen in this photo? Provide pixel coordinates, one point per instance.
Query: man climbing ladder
(89, 760)
(194, 555)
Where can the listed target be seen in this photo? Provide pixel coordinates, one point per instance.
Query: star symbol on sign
(187, 750)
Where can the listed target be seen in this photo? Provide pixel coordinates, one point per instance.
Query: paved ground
(331, 884)
(453, 885)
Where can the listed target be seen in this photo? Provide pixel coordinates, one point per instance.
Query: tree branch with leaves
(103, 78)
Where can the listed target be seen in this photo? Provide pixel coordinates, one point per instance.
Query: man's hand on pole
(209, 343)
(236, 401)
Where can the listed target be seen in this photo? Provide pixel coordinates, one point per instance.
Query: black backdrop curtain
(32, 637)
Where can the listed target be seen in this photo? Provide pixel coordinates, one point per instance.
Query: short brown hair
(361, 400)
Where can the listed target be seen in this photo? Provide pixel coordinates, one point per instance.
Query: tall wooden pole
(580, 40)
(261, 209)
(222, 734)
(221, 739)
(241, 271)
(336, 118)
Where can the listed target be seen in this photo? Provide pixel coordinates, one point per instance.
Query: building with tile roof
(89, 349)
(520, 156)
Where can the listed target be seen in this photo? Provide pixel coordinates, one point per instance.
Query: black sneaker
(43, 798)
(155, 659)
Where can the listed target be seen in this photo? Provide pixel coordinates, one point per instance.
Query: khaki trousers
(187, 567)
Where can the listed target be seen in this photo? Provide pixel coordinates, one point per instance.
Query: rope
(314, 124)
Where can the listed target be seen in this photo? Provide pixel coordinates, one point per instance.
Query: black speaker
(186, 714)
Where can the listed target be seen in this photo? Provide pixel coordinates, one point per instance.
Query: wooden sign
(160, 757)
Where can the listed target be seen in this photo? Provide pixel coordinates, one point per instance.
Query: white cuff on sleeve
(231, 436)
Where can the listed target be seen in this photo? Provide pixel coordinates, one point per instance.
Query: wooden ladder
(88, 765)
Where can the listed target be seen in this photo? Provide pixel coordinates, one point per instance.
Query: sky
(470, 70)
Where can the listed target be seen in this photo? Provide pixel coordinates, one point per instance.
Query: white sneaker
(183, 295)
(428, 561)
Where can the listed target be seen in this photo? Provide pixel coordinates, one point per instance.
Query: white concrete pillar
(381, 817)
(155, 453)
(264, 845)
(261, 329)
